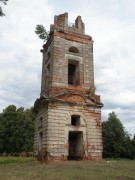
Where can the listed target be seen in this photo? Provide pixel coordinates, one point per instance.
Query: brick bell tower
(68, 112)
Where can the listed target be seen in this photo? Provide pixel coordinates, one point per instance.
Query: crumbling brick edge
(47, 158)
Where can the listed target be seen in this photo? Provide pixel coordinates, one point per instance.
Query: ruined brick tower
(68, 112)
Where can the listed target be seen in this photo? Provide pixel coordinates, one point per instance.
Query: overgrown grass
(11, 159)
(69, 170)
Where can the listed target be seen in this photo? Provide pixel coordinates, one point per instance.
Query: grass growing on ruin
(69, 170)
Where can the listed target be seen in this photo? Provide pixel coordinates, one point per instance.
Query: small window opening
(73, 49)
(75, 120)
(47, 57)
(47, 79)
(73, 74)
(48, 54)
(41, 121)
(48, 69)
(40, 140)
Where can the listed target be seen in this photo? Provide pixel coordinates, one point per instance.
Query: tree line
(117, 142)
(17, 134)
(16, 130)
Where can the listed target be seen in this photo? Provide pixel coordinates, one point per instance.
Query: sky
(112, 27)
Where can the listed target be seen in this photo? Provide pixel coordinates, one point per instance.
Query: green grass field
(29, 169)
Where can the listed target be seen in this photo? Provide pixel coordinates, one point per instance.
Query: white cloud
(20, 57)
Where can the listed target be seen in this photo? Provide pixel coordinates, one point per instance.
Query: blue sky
(110, 23)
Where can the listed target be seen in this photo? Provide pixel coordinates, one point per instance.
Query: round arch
(73, 49)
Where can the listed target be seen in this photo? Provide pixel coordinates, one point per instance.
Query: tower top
(61, 24)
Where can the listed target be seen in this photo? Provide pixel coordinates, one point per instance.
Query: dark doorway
(76, 150)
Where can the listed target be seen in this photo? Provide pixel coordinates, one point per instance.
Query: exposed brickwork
(68, 121)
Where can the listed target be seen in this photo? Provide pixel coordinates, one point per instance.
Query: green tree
(41, 32)
(16, 129)
(133, 147)
(116, 141)
(4, 2)
(29, 130)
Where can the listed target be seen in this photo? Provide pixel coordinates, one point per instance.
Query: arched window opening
(75, 120)
(73, 49)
